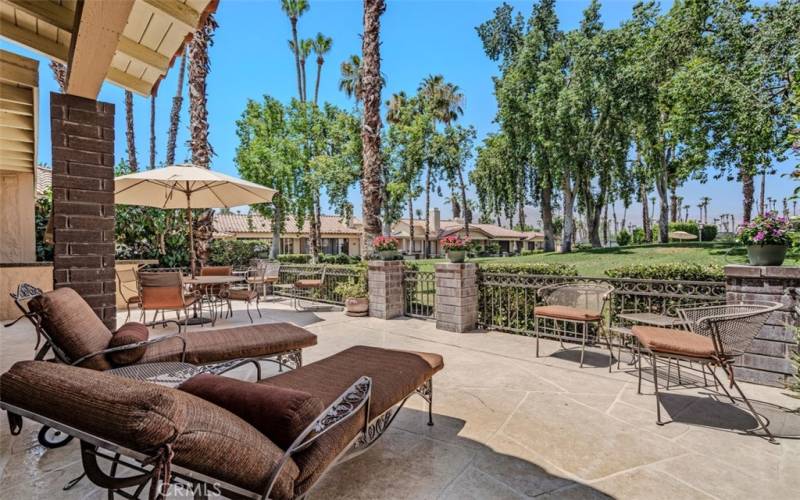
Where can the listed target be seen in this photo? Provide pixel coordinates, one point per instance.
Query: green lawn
(595, 262)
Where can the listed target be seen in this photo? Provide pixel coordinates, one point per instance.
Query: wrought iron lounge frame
(709, 321)
(345, 407)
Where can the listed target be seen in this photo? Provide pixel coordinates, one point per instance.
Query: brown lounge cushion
(144, 416)
(211, 346)
(74, 326)
(241, 294)
(565, 312)
(394, 374)
(129, 333)
(279, 413)
(671, 341)
(308, 283)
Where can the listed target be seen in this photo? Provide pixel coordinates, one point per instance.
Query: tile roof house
(337, 235)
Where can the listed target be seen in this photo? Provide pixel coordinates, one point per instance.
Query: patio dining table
(209, 281)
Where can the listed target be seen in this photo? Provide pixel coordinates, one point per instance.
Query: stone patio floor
(507, 426)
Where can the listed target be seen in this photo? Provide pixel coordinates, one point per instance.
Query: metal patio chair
(568, 306)
(128, 286)
(307, 289)
(246, 292)
(718, 336)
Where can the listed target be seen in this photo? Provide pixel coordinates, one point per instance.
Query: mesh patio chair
(269, 277)
(307, 289)
(568, 306)
(717, 336)
(246, 292)
(128, 286)
(165, 291)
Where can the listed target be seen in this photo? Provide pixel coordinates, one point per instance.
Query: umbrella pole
(192, 256)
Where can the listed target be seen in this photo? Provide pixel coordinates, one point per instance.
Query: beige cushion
(73, 326)
(308, 283)
(566, 312)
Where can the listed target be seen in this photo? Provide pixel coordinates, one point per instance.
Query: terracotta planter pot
(766, 255)
(356, 307)
(387, 254)
(456, 256)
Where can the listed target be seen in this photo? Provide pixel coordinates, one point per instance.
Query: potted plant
(386, 246)
(356, 301)
(455, 248)
(766, 238)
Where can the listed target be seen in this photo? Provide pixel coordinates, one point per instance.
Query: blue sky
(250, 58)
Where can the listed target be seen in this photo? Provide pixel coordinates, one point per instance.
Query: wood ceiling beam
(12, 120)
(23, 147)
(129, 82)
(179, 12)
(99, 26)
(64, 19)
(34, 42)
(12, 93)
(15, 134)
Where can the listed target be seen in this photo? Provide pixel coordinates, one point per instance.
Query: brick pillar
(457, 297)
(767, 361)
(385, 280)
(82, 132)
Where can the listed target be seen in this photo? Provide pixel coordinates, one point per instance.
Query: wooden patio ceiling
(131, 43)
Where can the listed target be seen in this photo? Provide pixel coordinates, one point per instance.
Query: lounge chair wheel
(52, 438)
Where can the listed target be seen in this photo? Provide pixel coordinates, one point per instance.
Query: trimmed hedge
(678, 271)
(339, 259)
(549, 269)
(236, 252)
(623, 238)
(294, 258)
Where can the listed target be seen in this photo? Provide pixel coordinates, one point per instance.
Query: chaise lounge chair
(173, 437)
(77, 337)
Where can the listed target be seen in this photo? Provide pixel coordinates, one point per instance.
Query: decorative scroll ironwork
(349, 402)
(507, 300)
(374, 430)
(334, 275)
(419, 293)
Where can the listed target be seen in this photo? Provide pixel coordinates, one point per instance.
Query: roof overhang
(19, 114)
(131, 43)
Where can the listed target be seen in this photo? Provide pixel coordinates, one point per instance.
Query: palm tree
(705, 200)
(370, 75)
(60, 74)
(129, 132)
(175, 113)
(152, 131)
(293, 10)
(321, 45)
(306, 46)
(198, 112)
(686, 213)
(350, 79)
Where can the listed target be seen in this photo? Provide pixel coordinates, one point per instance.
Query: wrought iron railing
(507, 301)
(419, 293)
(334, 275)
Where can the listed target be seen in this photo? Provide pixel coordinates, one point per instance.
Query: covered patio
(507, 425)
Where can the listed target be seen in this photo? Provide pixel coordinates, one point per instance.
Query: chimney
(436, 219)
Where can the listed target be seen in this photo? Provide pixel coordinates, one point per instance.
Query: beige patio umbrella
(681, 235)
(187, 187)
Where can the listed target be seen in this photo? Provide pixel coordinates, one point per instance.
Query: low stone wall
(768, 361)
(40, 275)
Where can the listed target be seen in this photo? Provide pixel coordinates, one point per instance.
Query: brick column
(385, 279)
(767, 361)
(82, 132)
(456, 297)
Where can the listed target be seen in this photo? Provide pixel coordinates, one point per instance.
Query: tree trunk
(546, 203)
(455, 205)
(662, 187)
(152, 132)
(371, 122)
(198, 98)
(319, 74)
(568, 230)
(293, 21)
(605, 225)
(411, 221)
(624, 216)
(175, 114)
(762, 208)
(648, 232)
(426, 250)
(673, 211)
(748, 192)
(464, 208)
(129, 132)
(276, 231)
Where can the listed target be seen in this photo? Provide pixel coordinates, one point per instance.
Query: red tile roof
(254, 223)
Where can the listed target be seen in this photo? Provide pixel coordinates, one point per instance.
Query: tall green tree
(293, 10)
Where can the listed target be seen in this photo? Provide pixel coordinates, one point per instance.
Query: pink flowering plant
(454, 243)
(767, 229)
(385, 244)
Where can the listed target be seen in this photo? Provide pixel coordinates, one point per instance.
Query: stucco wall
(17, 233)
